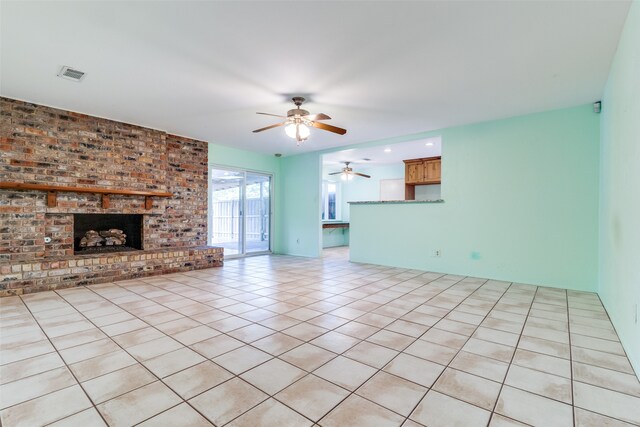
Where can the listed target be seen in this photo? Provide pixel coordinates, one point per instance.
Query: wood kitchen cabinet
(423, 171)
(432, 171)
(413, 171)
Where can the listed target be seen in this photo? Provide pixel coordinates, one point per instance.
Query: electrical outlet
(436, 253)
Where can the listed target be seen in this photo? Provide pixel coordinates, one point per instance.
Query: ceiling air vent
(71, 74)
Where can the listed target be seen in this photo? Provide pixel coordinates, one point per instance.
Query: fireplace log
(112, 232)
(91, 238)
(111, 237)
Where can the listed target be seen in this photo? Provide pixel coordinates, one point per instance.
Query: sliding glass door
(258, 209)
(225, 210)
(240, 211)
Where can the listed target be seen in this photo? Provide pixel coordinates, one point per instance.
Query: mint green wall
(228, 156)
(220, 155)
(619, 285)
(521, 204)
(332, 237)
(301, 231)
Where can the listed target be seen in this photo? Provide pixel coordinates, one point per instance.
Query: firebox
(106, 233)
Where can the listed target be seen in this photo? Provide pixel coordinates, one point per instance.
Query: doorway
(240, 211)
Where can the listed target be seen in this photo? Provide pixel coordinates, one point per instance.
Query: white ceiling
(380, 69)
(385, 154)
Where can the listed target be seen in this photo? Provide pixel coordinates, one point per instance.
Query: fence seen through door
(226, 226)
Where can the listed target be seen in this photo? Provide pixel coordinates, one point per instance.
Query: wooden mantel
(52, 192)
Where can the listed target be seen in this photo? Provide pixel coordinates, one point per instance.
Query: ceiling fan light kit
(297, 131)
(298, 122)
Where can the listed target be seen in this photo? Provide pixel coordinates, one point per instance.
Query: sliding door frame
(243, 192)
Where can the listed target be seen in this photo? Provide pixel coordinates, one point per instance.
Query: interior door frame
(243, 236)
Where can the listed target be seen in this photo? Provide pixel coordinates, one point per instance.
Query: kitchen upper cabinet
(414, 171)
(432, 170)
(424, 171)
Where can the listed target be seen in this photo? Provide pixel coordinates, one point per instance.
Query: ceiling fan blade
(268, 127)
(320, 116)
(335, 173)
(330, 128)
(274, 115)
(361, 174)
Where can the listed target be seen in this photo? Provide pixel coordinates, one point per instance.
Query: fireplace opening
(106, 233)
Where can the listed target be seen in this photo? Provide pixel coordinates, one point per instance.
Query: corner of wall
(619, 204)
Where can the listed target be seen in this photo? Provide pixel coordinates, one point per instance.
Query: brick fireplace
(129, 224)
(43, 145)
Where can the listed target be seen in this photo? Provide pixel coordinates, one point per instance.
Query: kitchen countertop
(378, 202)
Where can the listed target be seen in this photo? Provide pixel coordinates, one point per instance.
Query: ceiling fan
(348, 173)
(298, 122)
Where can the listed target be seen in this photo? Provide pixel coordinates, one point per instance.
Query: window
(330, 201)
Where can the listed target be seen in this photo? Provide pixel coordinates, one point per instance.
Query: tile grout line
(338, 354)
(314, 285)
(66, 367)
(506, 374)
(341, 354)
(573, 399)
(460, 349)
(402, 352)
(141, 364)
(138, 362)
(153, 326)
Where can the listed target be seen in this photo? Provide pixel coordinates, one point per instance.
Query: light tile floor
(285, 341)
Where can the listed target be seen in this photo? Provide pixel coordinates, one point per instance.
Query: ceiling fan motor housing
(297, 112)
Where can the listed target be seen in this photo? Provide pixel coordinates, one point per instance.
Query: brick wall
(185, 220)
(44, 145)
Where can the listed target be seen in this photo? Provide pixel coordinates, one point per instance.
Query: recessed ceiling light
(387, 150)
(429, 144)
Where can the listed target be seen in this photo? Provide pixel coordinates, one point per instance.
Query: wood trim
(423, 159)
(96, 190)
(336, 225)
(52, 199)
(409, 192)
(52, 192)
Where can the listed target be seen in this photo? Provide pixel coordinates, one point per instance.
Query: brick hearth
(43, 145)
